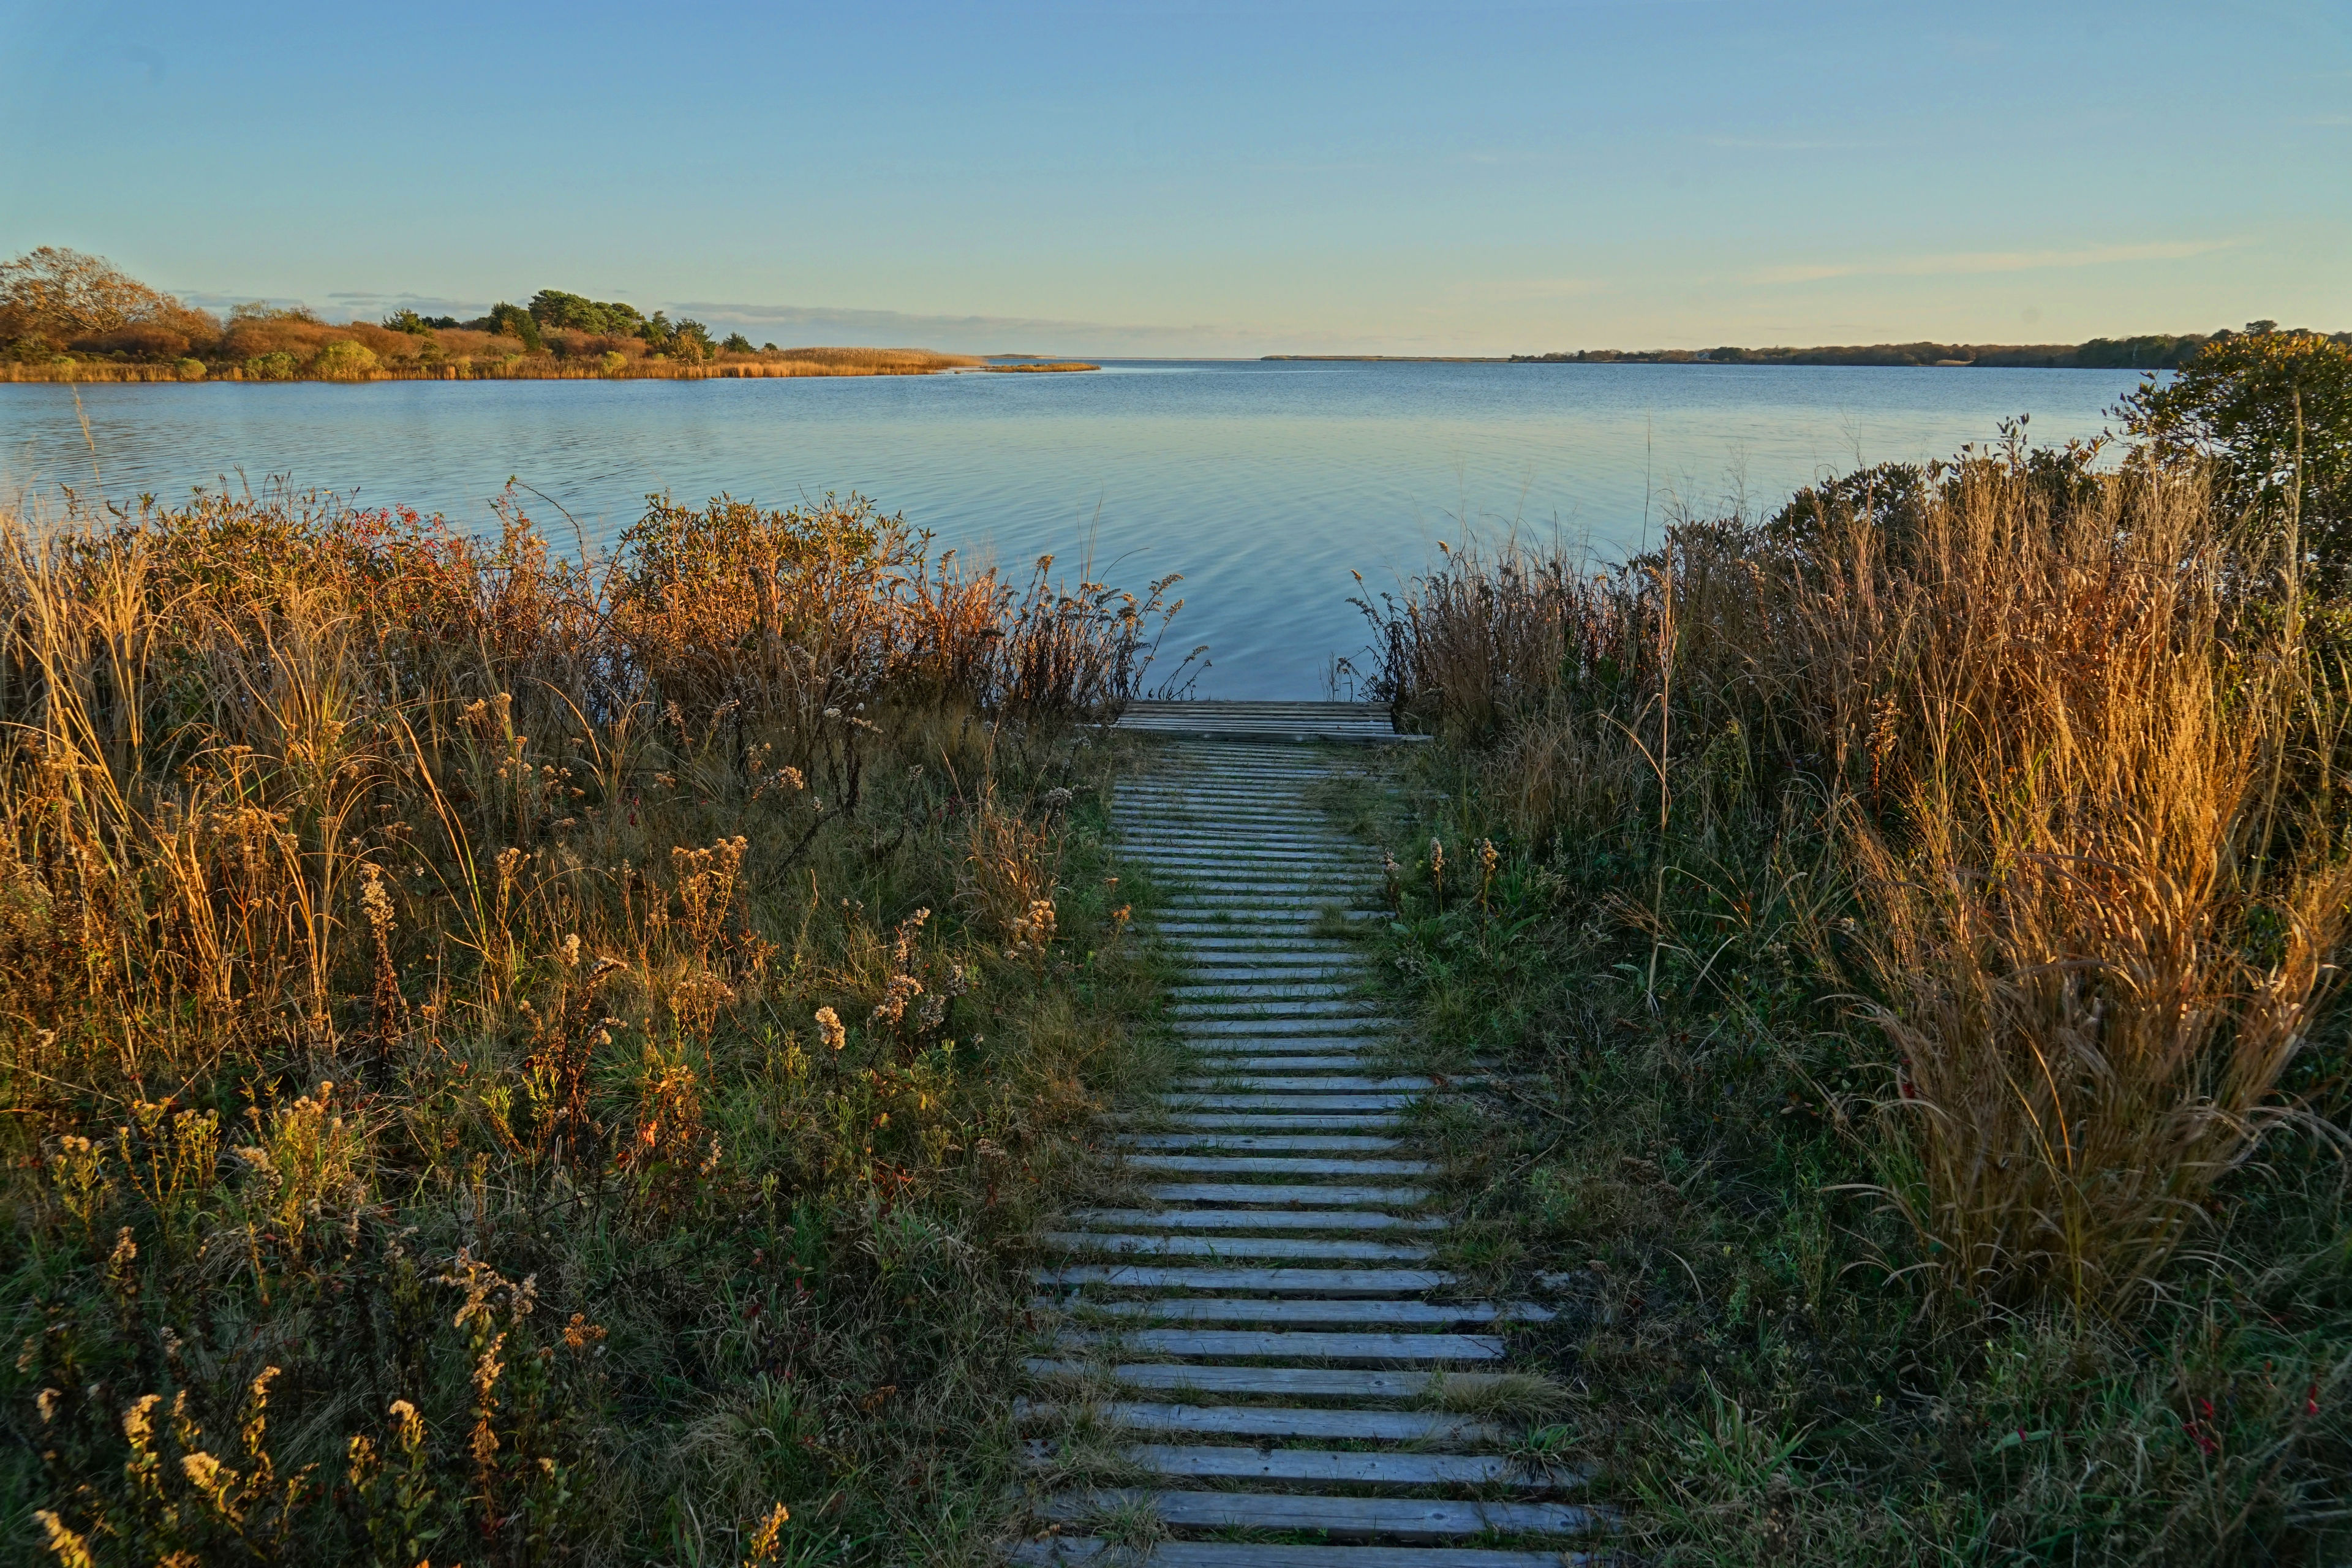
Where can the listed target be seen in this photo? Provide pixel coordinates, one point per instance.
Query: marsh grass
(1911, 927)
(518, 1059)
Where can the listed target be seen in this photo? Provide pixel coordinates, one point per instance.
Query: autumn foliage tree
(53, 298)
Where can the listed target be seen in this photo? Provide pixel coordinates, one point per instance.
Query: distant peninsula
(65, 316)
(2158, 351)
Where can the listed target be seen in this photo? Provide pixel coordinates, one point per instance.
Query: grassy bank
(492, 360)
(1912, 924)
(516, 1061)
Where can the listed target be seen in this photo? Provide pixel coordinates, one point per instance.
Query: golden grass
(533, 1055)
(2057, 737)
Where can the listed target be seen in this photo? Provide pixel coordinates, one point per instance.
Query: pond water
(1264, 483)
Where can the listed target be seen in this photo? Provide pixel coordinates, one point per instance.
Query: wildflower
(903, 943)
(769, 1537)
(138, 1423)
(901, 989)
(829, 1021)
(69, 1548)
(1032, 933)
(580, 1333)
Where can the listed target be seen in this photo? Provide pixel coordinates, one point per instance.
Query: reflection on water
(1264, 484)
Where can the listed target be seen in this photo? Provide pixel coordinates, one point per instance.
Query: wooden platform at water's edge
(1350, 721)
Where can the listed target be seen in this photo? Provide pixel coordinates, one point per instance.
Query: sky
(1130, 177)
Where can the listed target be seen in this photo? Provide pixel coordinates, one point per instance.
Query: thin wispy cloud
(1959, 263)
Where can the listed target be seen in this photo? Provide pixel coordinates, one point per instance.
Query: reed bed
(512, 1058)
(1921, 908)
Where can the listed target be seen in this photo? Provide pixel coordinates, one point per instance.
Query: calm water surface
(1264, 484)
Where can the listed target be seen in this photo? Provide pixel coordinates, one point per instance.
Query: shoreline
(105, 374)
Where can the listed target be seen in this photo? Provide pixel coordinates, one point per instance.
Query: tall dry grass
(526, 1057)
(2055, 737)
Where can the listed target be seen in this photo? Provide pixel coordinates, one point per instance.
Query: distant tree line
(61, 308)
(552, 308)
(2154, 350)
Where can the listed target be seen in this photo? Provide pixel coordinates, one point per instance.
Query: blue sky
(1210, 178)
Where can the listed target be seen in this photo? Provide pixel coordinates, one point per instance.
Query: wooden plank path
(1255, 1330)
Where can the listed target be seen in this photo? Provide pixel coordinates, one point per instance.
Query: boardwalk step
(1211, 1063)
(1300, 1112)
(1342, 1517)
(1131, 1244)
(1260, 1142)
(1273, 1165)
(1293, 1313)
(1308, 1382)
(1080, 1548)
(1279, 1421)
(1323, 1466)
(1262, 1032)
(1255, 1219)
(1244, 1193)
(1290, 1118)
(1334, 1083)
(1304, 1344)
(1324, 1282)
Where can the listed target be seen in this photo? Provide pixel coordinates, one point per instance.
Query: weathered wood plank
(1325, 1282)
(1304, 1344)
(1127, 1244)
(1300, 1312)
(1277, 1421)
(1401, 1520)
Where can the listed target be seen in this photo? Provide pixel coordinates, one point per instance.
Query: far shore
(2155, 350)
(788, 364)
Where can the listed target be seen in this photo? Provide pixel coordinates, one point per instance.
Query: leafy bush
(344, 360)
(2272, 411)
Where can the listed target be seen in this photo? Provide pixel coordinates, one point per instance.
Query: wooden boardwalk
(1253, 1327)
(1341, 722)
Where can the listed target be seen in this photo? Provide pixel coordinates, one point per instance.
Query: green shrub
(344, 361)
